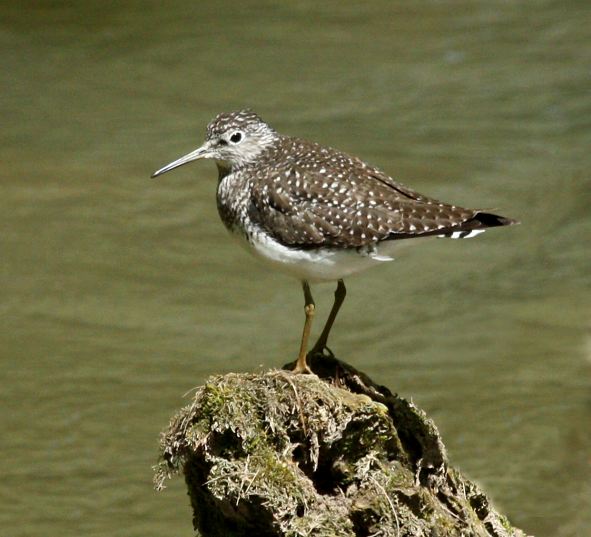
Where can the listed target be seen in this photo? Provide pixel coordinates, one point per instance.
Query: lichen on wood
(278, 454)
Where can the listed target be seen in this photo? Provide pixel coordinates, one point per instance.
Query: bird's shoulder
(308, 170)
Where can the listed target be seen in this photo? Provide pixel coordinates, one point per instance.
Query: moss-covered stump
(279, 454)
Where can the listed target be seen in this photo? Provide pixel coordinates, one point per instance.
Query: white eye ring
(236, 137)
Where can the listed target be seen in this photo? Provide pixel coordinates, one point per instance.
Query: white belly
(312, 265)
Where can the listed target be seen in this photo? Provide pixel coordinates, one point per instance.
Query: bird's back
(307, 196)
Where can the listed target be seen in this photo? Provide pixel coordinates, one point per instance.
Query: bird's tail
(479, 223)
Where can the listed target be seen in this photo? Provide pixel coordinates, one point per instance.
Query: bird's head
(233, 139)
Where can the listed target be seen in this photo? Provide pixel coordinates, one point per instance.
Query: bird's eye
(236, 137)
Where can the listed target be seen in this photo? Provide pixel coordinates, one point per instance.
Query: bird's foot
(302, 369)
(319, 351)
(301, 365)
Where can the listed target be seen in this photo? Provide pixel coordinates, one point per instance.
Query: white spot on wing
(473, 233)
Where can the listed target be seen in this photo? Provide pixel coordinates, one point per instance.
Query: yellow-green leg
(309, 309)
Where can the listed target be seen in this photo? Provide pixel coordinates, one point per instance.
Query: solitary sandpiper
(316, 212)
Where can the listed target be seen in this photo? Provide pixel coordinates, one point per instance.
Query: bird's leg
(339, 298)
(309, 309)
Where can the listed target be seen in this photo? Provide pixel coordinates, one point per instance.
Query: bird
(315, 212)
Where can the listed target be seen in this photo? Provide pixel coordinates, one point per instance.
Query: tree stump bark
(331, 454)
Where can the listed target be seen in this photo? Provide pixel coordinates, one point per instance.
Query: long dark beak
(201, 152)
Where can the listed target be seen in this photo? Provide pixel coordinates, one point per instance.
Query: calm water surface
(118, 293)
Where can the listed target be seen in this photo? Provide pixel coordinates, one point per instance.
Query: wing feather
(339, 201)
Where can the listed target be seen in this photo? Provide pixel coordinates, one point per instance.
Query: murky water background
(118, 293)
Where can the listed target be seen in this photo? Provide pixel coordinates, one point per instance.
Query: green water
(118, 293)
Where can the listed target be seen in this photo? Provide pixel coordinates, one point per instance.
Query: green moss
(213, 398)
(289, 455)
